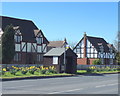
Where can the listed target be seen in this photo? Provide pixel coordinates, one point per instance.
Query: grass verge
(102, 72)
(35, 75)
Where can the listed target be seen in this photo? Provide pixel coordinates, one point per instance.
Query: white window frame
(55, 60)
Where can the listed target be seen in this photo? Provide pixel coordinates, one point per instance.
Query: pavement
(80, 84)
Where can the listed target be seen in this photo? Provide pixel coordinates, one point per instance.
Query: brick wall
(88, 61)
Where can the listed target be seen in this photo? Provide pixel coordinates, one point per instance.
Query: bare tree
(72, 44)
(117, 42)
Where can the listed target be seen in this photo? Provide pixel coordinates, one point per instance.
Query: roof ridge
(16, 18)
(95, 37)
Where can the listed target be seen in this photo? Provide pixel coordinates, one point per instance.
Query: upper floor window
(111, 50)
(39, 40)
(18, 36)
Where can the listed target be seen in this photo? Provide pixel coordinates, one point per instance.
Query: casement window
(23, 47)
(39, 49)
(28, 47)
(33, 47)
(17, 47)
(39, 57)
(39, 40)
(18, 36)
(78, 50)
(17, 57)
(55, 60)
(111, 61)
(95, 55)
(44, 48)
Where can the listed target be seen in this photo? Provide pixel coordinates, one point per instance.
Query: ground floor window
(39, 57)
(17, 57)
(55, 60)
(111, 61)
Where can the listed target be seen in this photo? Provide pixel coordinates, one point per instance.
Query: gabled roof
(55, 52)
(27, 27)
(36, 32)
(56, 43)
(95, 42)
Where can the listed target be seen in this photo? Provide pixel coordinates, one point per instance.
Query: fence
(83, 67)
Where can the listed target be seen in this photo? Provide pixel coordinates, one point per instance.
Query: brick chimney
(85, 45)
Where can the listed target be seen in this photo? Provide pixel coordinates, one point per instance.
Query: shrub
(43, 71)
(31, 71)
(7, 69)
(3, 71)
(52, 71)
(13, 71)
(0, 72)
(24, 71)
(19, 73)
(47, 72)
(96, 62)
(89, 70)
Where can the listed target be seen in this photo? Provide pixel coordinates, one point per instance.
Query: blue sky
(68, 19)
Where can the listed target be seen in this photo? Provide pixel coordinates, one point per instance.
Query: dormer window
(18, 36)
(39, 40)
(111, 50)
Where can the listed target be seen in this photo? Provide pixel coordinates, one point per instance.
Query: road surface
(98, 84)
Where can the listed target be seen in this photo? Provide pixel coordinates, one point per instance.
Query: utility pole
(65, 55)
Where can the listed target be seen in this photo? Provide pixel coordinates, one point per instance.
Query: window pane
(88, 55)
(33, 48)
(82, 55)
(88, 50)
(55, 60)
(19, 57)
(39, 40)
(17, 47)
(78, 50)
(44, 47)
(95, 55)
(82, 50)
(28, 47)
(39, 49)
(91, 55)
(23, 45)
(17, 38)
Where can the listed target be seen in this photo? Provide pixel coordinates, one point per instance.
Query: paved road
(101, 84)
